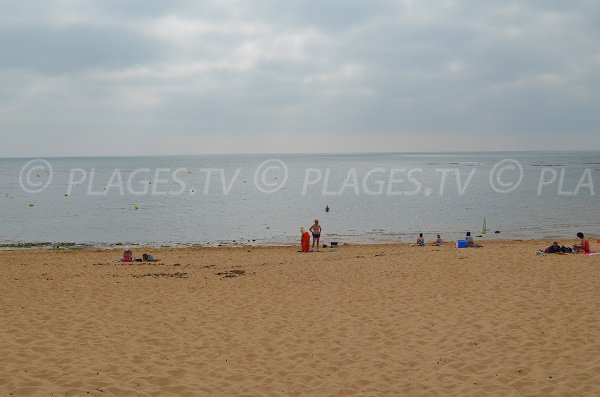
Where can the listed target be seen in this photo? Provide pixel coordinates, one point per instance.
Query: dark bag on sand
(566, 250)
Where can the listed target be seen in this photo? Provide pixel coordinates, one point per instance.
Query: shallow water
(188, 206)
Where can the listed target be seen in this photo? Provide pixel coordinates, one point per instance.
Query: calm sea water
(187, 207)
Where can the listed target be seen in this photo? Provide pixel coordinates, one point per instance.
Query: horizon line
(302, 153)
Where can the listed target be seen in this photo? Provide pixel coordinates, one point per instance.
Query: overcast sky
(120, 77)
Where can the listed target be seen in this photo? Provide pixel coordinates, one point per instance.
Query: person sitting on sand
(316, 234)
(304, 240)
(127, 255)
(420, 241)
(554, 249)
(438, 242)
(471, 241)
(584, 247)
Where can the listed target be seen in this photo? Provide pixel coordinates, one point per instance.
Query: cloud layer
(134, 77)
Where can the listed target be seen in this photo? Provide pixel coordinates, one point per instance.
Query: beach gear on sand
(461, 244)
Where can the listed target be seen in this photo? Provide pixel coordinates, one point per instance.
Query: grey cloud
(74, 49)
(340, 70)
(331, 16)
(136, 9)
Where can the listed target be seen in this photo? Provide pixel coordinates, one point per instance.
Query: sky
(135, 77)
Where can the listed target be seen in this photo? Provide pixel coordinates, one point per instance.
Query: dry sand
(375, 320)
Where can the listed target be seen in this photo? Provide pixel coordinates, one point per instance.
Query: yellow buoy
(135, 207)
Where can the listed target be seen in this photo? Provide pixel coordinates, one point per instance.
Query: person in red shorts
(305, 240)
(584, 248)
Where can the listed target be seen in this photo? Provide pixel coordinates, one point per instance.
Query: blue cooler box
(461, 243)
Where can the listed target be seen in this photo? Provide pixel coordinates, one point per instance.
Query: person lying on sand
(128, 257)
(555, 248)
(584, 247)
(148, 258)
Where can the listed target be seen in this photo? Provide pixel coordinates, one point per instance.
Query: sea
(265, 199)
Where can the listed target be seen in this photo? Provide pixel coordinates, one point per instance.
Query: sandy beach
(370, 320)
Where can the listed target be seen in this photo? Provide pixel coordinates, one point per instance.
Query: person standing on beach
(316, 234)
(304, 240)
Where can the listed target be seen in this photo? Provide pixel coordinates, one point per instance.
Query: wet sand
(372, 320)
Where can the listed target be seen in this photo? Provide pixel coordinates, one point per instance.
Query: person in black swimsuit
(316, 234)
